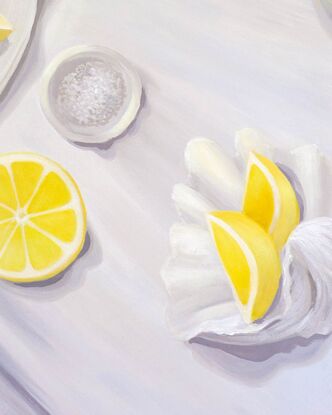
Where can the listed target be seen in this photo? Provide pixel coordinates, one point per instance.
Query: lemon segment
(13, 258)
(26, 175)
(42, 218)
(270, 199)
(234, 260)
(61, 224)
(52, 193)
(5, 214)
(261, 195)
(5, 28)
(250, 260)
(7, 195)
(6, 229)
(43, 252)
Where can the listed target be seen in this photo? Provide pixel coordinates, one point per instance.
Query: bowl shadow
(101, 148)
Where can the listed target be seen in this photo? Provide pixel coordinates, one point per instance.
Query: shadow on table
(255, 364)
(21, 392)
(71, 278)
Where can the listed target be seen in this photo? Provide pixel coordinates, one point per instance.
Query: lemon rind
(246, 310)
(80, 210)
(253, 160)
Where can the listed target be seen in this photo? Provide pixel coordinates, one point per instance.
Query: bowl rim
(127, 117)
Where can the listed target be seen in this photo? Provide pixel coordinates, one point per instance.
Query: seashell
(249, 139)
(201, 303)
(307, 166)
(214, 169)
(21, 14)
(190, 203)
(327, 6)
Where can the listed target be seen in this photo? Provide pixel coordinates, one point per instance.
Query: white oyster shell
(201, 303)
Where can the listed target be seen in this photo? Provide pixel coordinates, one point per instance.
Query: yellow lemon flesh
(42, 218)
(250, 260)
(270, 199)
(5, 28)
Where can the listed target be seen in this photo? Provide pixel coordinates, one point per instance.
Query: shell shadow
(70, 279)
(324, 13)
(4, 45)
(298, 189)
(255, 364)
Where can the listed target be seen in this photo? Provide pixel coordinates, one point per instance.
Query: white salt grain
(92, 94)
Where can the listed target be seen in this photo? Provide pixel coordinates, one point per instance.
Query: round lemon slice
(42, 218)
(270, 199)
(250, 260)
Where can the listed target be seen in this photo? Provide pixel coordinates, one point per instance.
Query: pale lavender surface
(95, 342)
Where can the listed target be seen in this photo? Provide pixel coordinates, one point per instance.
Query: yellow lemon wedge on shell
(270, 199)
(42, 218)
(250, 260)
(5, 28)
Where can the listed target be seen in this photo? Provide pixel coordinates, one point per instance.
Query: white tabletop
(95, 341)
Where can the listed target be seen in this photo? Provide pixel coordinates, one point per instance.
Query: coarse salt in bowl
(90, 94)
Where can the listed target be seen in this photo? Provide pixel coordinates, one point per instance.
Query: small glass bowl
(64, 65)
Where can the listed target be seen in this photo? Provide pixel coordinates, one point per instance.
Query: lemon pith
(250, 260)
(42, 218)
(270, 199)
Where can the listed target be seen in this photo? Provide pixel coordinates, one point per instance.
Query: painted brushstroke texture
(95, 341)
(200, 302)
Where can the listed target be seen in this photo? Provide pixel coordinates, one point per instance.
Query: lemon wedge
(250, 260)
(270, 199)
(5, 28)
(42, 218)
